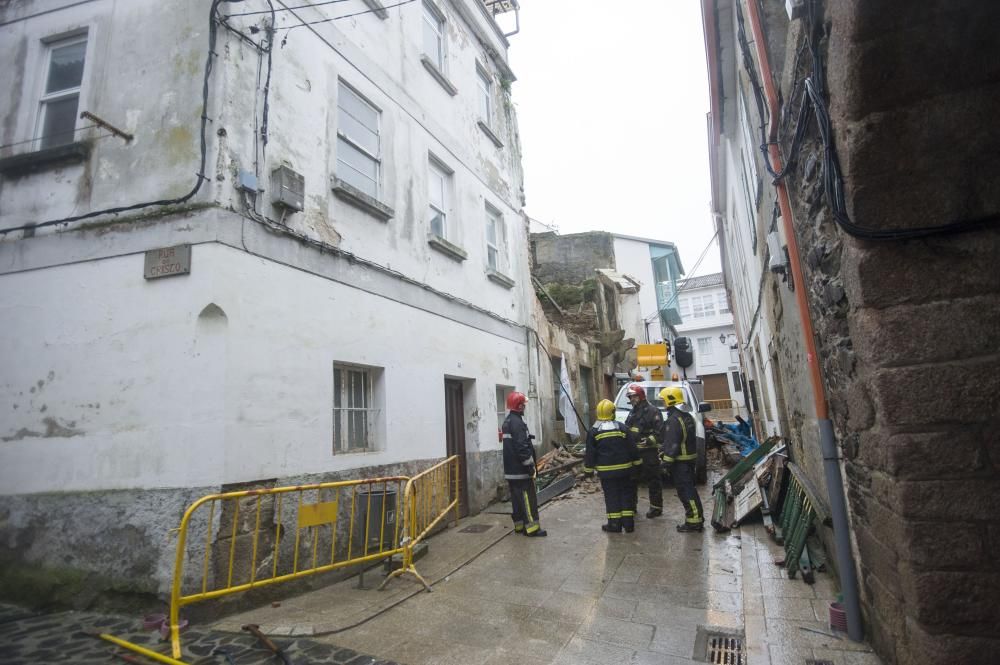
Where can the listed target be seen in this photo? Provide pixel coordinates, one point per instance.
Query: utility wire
(199, 176)
(343, 16)
(288, 9)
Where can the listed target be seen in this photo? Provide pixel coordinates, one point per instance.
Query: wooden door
(454, 408)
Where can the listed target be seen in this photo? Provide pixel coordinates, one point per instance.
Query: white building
(739, 200)
(656, 264)
(281, 247)
(707, 321)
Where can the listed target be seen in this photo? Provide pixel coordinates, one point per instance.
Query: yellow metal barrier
(427, 499)
(241, 540)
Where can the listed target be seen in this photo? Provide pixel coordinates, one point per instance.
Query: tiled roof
(701, 281)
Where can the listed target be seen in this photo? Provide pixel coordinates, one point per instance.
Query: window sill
(377, 8)
(40, 160)
(355, 197)
(489, 133)
(439, 75)
(450, 250)
(500, 278)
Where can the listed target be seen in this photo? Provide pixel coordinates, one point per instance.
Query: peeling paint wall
(113, 383)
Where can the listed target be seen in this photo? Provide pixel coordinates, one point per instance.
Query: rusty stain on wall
(10, 119)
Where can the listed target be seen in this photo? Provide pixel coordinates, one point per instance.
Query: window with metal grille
(60, 101)
(354, 412)
(358, 141)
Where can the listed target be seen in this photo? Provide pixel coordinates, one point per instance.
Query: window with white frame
(723, 303)
(751, 145)
(702, 306)
(358, 141)
(485, 83)
(354, 410)
(496, 240)
(439, 189)
(502, 392)
(705, 351)
(684, 307)
(434, 35)
(60, 101)
(734, 354)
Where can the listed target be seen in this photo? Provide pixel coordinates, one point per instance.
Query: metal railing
(427, 499)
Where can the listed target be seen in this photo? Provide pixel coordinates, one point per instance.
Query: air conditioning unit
(287, 188)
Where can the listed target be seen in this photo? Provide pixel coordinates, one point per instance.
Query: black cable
(267, 85)
(200, 175)
(559, 381)
(833, 185)
(288, 9)
(337, 18)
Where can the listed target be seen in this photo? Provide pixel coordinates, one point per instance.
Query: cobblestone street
(28, 639)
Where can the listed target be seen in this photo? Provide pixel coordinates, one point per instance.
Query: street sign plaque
(167, 262)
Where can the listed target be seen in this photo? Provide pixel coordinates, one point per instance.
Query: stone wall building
(267, 222)
(879, 122)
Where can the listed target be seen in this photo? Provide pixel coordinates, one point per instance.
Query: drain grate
(725, 649)
(813, 661)
(476, 528)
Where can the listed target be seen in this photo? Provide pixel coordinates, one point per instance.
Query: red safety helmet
(516, 402)
(635, 390)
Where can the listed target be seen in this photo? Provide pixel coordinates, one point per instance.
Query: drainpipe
(828, 444)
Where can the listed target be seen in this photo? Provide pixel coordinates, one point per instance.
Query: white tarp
(566, 402)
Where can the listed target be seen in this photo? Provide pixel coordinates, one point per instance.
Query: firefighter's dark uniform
(612, 453)
(646, 424)
(680, 450)
(519, 470)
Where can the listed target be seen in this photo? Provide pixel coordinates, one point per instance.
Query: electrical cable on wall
(200, 175)
(813, 91)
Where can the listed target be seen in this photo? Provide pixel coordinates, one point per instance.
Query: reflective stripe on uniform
(507, 436)
(606, 435)
(614, 467)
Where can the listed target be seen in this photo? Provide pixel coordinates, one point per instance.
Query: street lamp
(728, 339)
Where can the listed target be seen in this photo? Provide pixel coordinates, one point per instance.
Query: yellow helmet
(605, 410)
(672, 396)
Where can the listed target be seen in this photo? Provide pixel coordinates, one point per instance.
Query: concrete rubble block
(954, 600)
(963, 545)
(927, 333)
(921, 646)
(943, 395)
(884, 274)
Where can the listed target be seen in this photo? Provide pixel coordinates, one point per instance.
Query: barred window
(354, 411)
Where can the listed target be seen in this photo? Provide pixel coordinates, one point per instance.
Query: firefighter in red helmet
(519, 468)
(646, 423)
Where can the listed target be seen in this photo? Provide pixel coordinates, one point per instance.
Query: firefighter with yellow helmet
(680, 451)
(611, 452)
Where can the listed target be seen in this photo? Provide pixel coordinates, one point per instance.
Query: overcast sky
(611, 100)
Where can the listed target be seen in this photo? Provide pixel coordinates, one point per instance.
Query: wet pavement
(579, 596)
